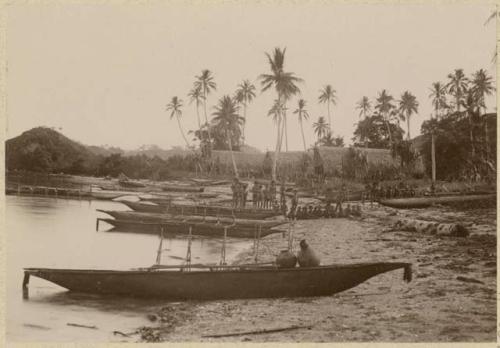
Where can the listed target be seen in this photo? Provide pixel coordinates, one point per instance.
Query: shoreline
(384, 308)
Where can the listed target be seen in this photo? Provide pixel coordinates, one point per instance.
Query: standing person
(272, 193)
(255, 194)
(295, 202)
(340, 199)
(282, 193)
(234, 189)
(265, 198)
(244, 192)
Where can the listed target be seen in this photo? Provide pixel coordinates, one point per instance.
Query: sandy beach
(435, 306)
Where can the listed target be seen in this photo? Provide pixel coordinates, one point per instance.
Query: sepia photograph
(238, 171)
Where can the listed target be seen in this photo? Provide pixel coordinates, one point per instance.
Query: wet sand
(435, 306)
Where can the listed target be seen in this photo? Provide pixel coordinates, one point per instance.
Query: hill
(44, 149)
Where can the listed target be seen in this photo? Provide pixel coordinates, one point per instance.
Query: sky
(103, 74)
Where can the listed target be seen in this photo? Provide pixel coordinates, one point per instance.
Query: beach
(452, 296)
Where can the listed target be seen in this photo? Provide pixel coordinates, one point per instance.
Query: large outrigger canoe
(212, 210)
(216, 282)
(153, 217)
(210, 229)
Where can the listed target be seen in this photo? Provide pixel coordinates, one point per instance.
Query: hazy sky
(104, 73)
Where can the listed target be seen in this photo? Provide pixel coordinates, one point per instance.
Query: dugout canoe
(182, 188)
(182, 227)
(204, 210)
(130, 183)
(106, 195)
(216, 283)
(425, 202)
(158, 218)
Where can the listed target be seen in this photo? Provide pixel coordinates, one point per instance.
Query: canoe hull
(173, 228)
(227, 284)
(159, 218)
(175, 188)
(199, 210)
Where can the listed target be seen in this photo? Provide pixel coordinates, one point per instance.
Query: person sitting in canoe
(306, 256)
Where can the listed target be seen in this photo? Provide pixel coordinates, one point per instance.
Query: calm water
(60, 233)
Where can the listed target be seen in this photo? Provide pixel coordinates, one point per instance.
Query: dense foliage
(454, 148)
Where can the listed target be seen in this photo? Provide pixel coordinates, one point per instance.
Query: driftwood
(429, 227)
(84, 326)
(263, 331)
(469, 280)
(121, 333)
(35, 326)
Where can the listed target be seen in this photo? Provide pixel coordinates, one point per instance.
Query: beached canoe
(152, 217)
(130, 183)
(425, 202)
(182, 188)
(182, 227)
(204, 210)
(106, 195)
(211, 283)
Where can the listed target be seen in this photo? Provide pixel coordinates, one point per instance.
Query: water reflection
(60, 233)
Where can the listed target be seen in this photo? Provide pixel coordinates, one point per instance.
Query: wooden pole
(160, 247)
(433, 157)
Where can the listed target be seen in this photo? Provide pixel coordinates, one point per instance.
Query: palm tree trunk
(206, 118)
(182, 131)
(433, 150)
(486, 136)
(433, 157)
(244, 120)
(198, 115)
(388, 130)
(275, 159)
(471, 137)
(408, 122)
(302, 131)
(286, 131)
(329, 118)
(235, 168)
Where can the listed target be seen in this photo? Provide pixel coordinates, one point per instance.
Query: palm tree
(174, 107)
(205, 82)
(227, 118)
(321, 128)
(285, 84)
(302, 114)
(408, 105)
(482, 86)
(364, 106)
(327, 95)
(438, 95)
(457, 86)
(244, 95)
(196, 95)
(384, 107)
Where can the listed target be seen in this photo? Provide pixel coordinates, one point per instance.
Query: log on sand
(433, 228)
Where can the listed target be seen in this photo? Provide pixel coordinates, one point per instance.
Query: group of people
(264, 196)
(328, 211)
(377, 191)
(240, 193)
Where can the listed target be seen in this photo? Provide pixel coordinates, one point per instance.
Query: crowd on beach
(270, 196)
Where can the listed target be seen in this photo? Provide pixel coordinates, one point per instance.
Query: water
(60, 233)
